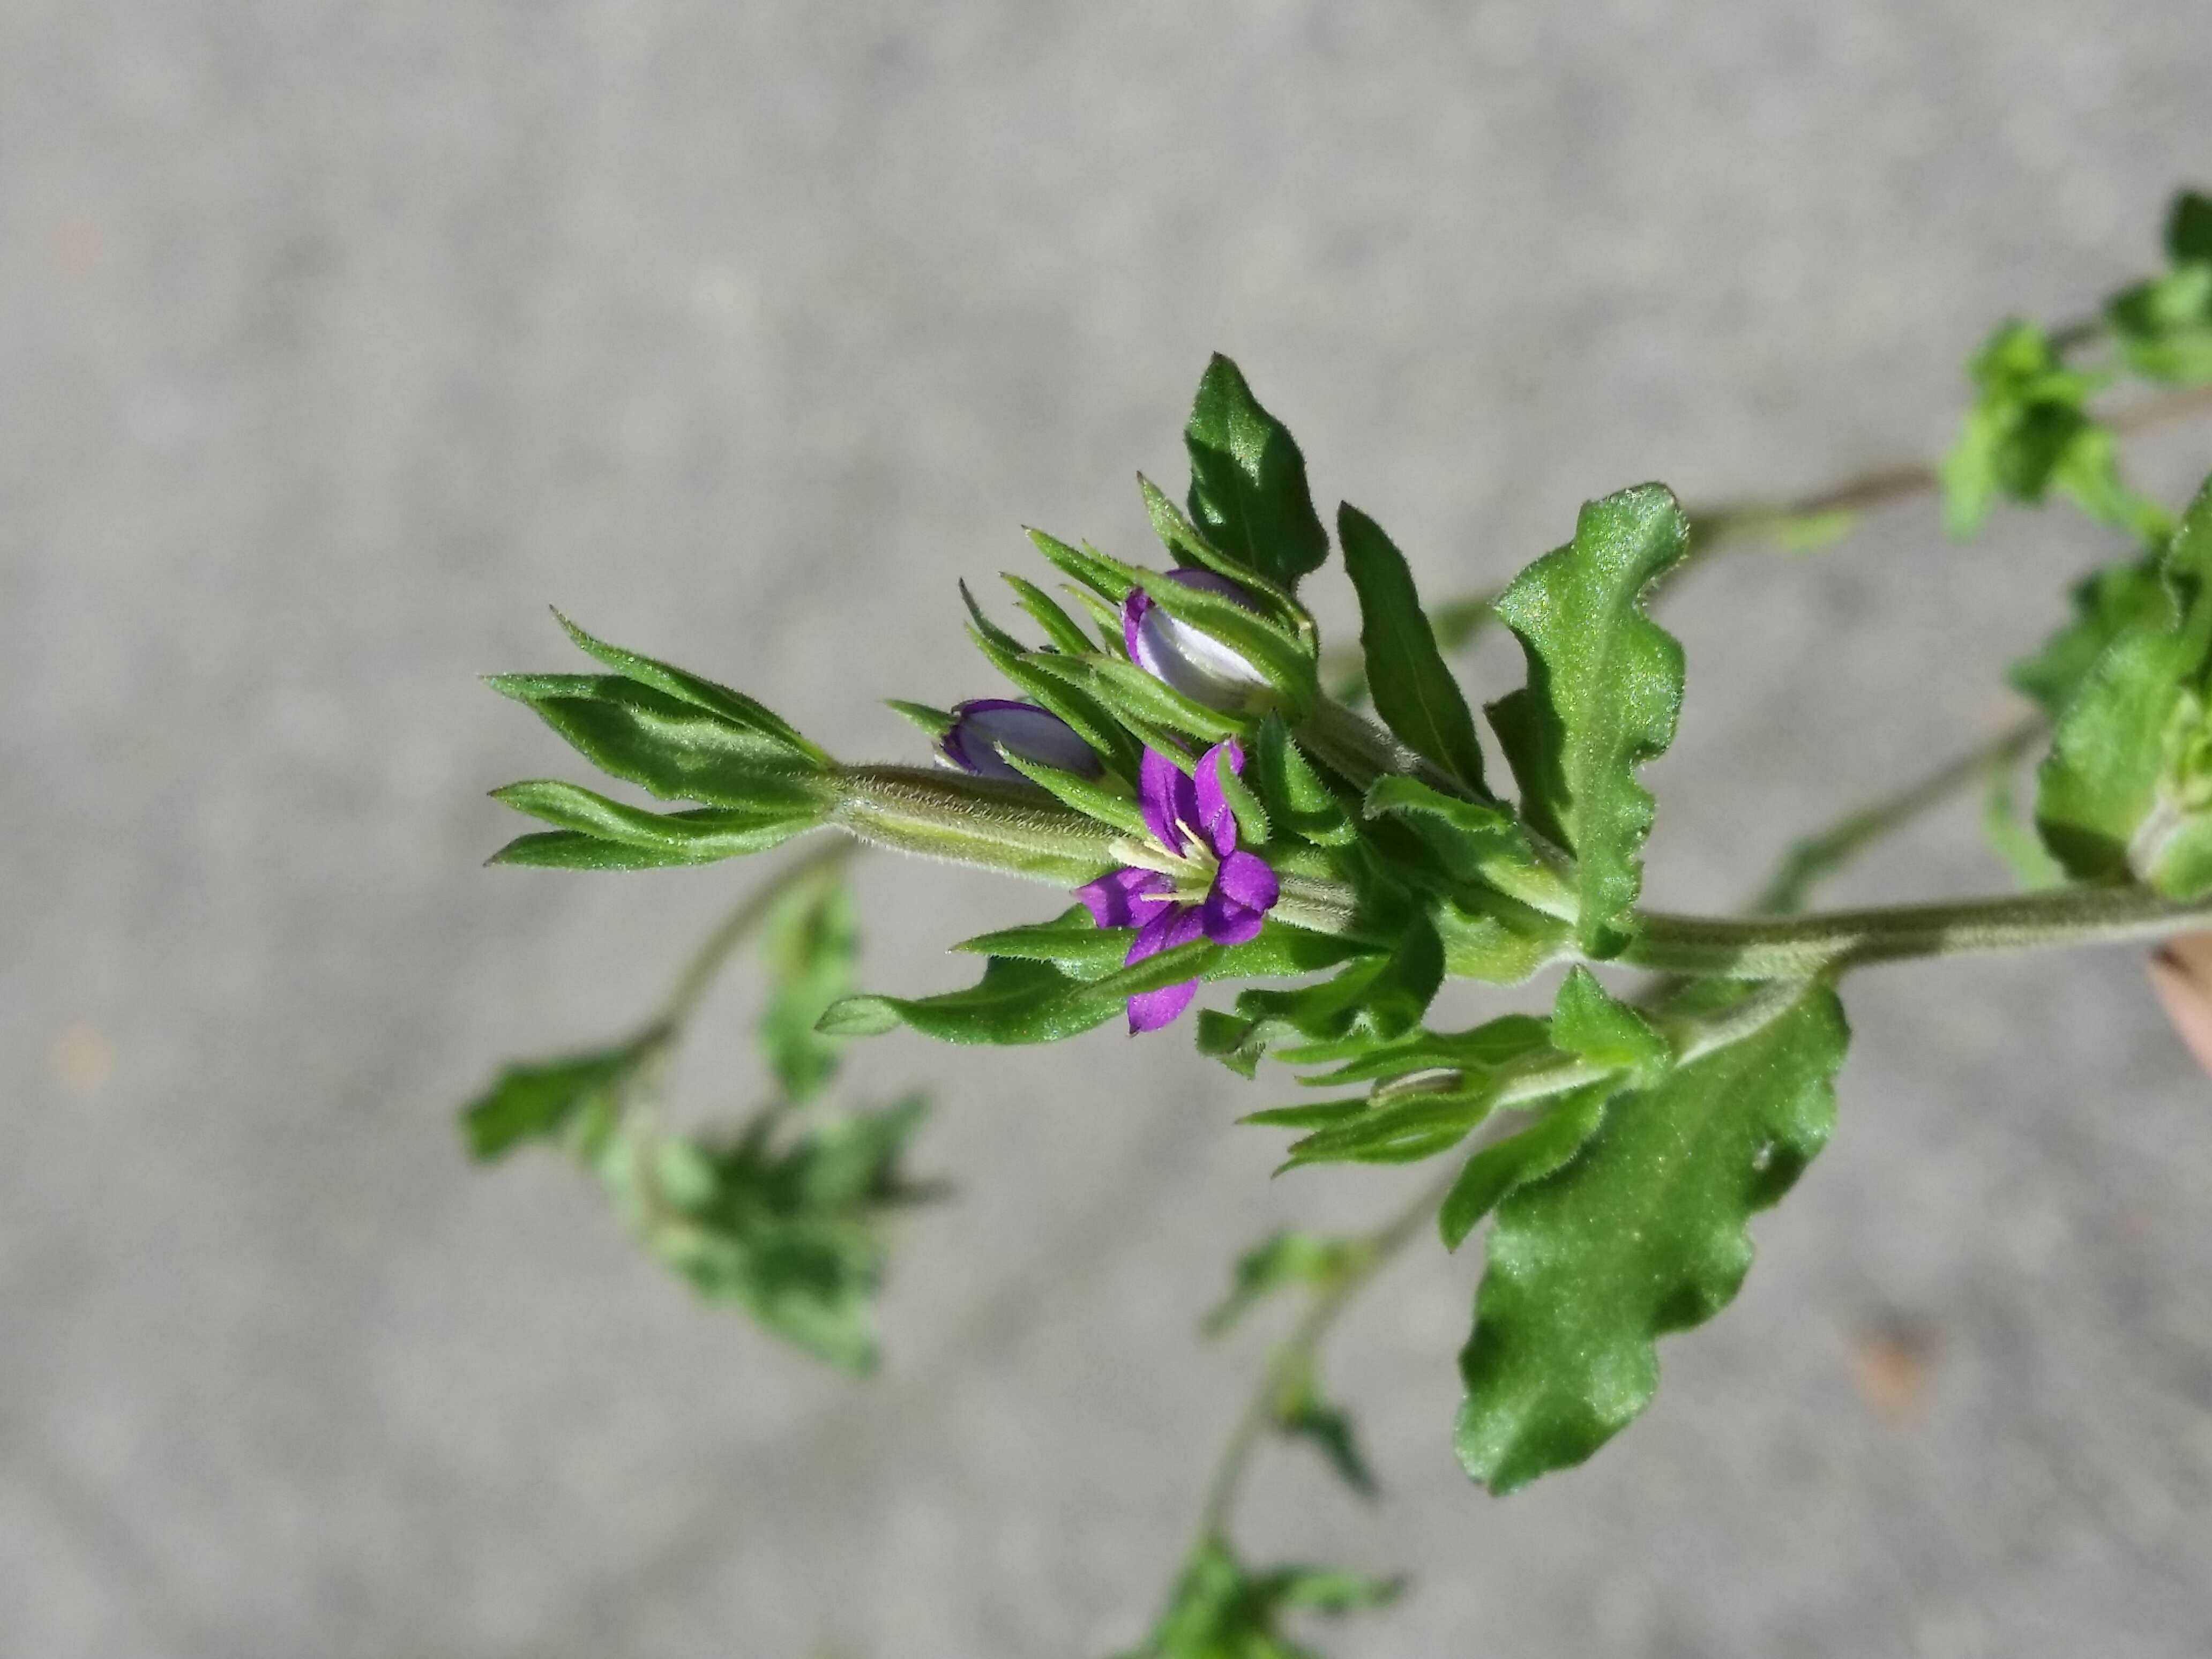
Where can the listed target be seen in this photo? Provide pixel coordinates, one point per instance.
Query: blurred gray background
(337, 341)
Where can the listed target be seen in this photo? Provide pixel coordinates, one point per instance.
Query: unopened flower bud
(1193, 662)
(982, 728)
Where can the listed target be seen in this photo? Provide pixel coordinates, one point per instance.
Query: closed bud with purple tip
(982, 728)
(1187, 658)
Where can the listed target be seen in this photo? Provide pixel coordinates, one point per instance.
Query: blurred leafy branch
(1183, 754)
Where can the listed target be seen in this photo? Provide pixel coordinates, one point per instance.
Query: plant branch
(714, 953)
(1726, 525)
(1297, 1350)
(1829, 942)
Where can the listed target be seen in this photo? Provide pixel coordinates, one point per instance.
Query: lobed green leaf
(1604, 689)
(1643, 1232)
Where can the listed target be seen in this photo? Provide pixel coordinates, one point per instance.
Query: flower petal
(1191, 661)
(1179, 924)
(1133, 623)
(1150, 1009)
(1168, 800)
(1125, 898)
(1214, 818)
(1244, 890)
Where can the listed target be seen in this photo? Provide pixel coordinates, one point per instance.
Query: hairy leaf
(1488, 1177)
(1248, 481)
(1643, 1233)
(1604, 687)
(2124, 789)
(1412, 689)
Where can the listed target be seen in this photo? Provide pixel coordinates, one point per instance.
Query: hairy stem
(1799, 947)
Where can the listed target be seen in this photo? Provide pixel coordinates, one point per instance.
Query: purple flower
(1193, 662)
(982, 728)
(1194, 884)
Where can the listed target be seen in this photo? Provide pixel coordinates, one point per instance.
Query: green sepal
(1108, 577)
(1298, 801)
(934, 721)
(1404, 1123)
(1381, 996)
(1136, 698)
(1060, 628)
(1478, 841)
(1643, 1232)
(1604, 690)
(1248, 481)
(569, 849)
(1096, 801)
(1070, 697)
(1308, 1114)
(1412, 689)
(1277, 640)
(1183, 538)
(1255, 826)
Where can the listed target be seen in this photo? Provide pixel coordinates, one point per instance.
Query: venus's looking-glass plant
(1182, 760)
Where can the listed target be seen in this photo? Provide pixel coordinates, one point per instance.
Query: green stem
(1799, 947)
(1297, 1350)
(714, 953)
